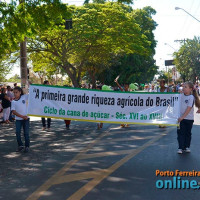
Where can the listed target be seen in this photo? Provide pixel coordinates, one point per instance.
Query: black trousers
(184, 133)
(48, 122)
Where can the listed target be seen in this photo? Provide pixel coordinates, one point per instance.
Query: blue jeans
(25, 125)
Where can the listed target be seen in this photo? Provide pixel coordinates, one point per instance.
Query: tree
(14, 79)
(99, 31)
(135, 67)
(5, 68)
(18, 21)
(187, 60)
(165, 75)
(4, 71)
(103, 1)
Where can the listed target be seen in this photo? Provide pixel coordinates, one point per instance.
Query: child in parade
(186, 119)
(19, 108)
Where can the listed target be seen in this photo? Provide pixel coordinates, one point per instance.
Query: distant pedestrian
(11, 96)
(19, 109)
(6, 104)
(186, 119)
(126, 86)
(162, 89)
(48, 119)
(152, 89)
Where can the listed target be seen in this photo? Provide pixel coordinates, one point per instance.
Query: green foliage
(106, 39)
(99, 32)
(135, 67)
(14, 79)
(103, 1)
(187, 60)
(18, 21)
(165, 75)
(4, 69)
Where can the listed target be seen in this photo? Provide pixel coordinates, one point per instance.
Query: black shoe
(26, 150)
(19, 149)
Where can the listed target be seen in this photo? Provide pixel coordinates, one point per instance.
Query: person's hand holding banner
(117, 78)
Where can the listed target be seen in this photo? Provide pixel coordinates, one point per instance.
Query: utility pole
(23, 60)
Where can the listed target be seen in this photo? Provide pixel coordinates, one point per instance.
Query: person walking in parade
(162, 89)
(126, 89)
(6, 104)
(19, 108)
(162, 86)
(48, 119)
(189, 97)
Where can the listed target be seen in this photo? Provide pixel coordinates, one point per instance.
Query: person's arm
(198, 111)
(6, 97)
(119, 86)
(185, 114)
(18, 115)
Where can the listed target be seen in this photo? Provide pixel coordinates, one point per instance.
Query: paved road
(84, 163)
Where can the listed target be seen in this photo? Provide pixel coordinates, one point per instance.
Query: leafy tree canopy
(187, 60)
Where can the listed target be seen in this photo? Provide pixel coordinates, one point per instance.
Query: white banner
(103, 106)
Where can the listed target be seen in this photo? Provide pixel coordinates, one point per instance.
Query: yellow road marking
(89, 186)
(97, 175)
(43, 188)
(104, 154)
(78, 176)
(130, 138)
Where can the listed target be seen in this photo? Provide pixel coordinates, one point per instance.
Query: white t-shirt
(187, 101)
(152, 90)
(20, 106)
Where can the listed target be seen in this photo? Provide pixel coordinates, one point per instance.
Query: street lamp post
(170, 46)
(177, 8)
(168, 65)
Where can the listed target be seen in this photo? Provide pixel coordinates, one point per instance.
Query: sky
(172, 24)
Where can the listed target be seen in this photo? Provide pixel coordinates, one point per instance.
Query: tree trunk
(92, 74)
(72, 76)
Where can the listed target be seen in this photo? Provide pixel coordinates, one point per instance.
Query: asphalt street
(85, 163)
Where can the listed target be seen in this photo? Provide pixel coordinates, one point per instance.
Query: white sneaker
(180, 151)
(187, 150)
